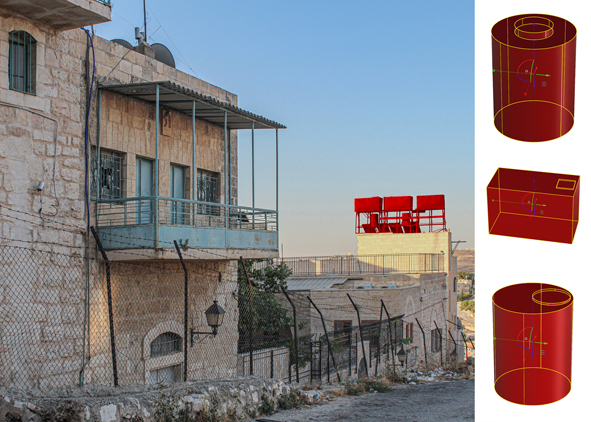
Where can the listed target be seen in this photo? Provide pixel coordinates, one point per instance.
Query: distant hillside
(465, 259)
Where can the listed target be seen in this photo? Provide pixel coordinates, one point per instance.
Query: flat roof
(181, 99)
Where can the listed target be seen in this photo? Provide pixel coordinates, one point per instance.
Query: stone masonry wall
(226, 399)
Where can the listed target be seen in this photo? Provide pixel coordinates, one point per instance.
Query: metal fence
(415, 263)
(69, 320)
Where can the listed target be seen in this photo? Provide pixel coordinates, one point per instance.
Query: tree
(262, 322)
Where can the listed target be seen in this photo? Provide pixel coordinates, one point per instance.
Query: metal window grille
(165, 344)
(109, 176)
(435, 340)
(206, 190)
(167, 375)
(22, 55)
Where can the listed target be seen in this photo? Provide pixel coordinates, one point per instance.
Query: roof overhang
(181, 99)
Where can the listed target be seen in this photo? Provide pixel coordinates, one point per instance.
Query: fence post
(379, 340)
(186, 321)
(272, 363)
(424, 345)
(250, 314)
(110, 305)
(295, 334)
(289, 366)
(350, 352)
(328, 343)
(455, 344)
(466, 345)
(311, 359)
(360, 333)
(440, 343)
(392, 348)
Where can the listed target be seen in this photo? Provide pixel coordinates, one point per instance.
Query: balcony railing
(312, 266)
(107, 2)
(156, 221)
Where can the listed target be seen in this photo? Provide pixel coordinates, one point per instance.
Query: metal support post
(379, 339)
(360, 333)
(156, 171)
(424, 344)
(226, 178)
(455, 344)
(466, 346)
(392, 348)
(440, 343)
(250, 314)
(252, 145)
(277, 178)
(334, 362)
(295, 334)
(109, 304)
(186, 321)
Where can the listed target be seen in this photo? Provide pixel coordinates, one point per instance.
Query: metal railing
(183, 212)
(363, 264)
(107, 2)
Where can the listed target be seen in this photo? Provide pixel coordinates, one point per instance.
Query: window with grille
(409, 331)
(22, 60)
(342, 332)
(206, 186)
(165, 344)
(435, 340)
(109, 176)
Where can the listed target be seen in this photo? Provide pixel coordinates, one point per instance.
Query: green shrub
(354, 388)
(291, 400)
(267, 407)
(379, 385)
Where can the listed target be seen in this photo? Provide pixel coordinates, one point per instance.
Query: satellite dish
(163, 54)
(123, 43)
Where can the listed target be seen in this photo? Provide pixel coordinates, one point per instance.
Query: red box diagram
(532, 334)
(533, 205)
(534, 76)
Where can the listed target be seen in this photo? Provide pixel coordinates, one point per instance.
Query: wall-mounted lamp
(215, 317)
(401, 356)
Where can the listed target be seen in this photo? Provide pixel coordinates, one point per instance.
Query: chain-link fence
(69, 320)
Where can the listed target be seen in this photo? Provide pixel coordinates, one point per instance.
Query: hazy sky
(377, 97)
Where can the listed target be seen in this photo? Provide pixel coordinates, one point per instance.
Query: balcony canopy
(207, 108)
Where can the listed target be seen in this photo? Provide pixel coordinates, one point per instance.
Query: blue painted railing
(154, 222)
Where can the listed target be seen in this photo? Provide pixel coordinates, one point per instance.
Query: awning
(181, 99)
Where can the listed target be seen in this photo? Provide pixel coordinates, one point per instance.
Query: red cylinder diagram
(532, 329)
(534, 77)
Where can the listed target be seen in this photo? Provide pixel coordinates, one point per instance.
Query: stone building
(93, 133)
(407, 298)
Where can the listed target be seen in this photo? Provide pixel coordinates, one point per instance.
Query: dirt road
(447, 401)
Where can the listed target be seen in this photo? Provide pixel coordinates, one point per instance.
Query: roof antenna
(145, 23)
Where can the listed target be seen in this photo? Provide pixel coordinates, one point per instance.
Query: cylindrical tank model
(534, 77)
(532, 329)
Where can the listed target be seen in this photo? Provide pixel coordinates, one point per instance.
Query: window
(206, 186)
(371, 332)
(109, 176)
(409, 331)
(435, 340)
(342, 332)
(165, 344)
(22, 60)
(166, 375)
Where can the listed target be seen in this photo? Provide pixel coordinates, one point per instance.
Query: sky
(377, 97)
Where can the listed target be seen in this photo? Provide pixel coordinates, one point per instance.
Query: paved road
(430, 402)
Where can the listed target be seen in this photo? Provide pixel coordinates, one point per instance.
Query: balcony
(208, 230)
(139, 216)
(62, 14)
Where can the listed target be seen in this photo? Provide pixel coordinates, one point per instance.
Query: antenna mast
(145, 23)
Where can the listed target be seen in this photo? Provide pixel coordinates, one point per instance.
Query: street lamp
(215, 317)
